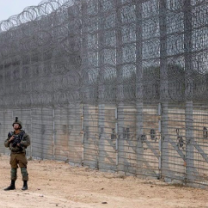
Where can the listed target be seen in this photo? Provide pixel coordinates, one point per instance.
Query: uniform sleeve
(25, 141)
(6, 142)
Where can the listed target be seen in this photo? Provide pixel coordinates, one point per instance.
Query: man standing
(17, 142)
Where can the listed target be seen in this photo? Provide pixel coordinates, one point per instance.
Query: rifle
(17, 138)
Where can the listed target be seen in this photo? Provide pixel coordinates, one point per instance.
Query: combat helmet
(17, 122)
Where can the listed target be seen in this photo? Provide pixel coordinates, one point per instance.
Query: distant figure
(17, 142)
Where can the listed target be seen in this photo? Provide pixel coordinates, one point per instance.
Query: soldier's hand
(11, 138)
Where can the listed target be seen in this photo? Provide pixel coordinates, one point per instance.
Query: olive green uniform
(18, 156)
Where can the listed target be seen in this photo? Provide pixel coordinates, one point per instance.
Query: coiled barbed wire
(104, 51)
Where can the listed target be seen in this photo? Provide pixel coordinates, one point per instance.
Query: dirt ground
(57, 184)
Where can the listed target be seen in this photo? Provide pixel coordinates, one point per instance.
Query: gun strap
(21, 135)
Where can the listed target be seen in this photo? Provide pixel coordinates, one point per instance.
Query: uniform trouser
(21, 160)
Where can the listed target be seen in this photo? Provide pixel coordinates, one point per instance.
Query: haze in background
(12, 7)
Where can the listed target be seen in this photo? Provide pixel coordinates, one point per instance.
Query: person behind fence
(17, 142)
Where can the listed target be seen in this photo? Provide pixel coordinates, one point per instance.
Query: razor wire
(104, 51)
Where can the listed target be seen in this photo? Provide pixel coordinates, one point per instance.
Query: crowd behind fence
(116, 85)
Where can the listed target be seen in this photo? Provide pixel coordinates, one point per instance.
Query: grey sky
(12, 7)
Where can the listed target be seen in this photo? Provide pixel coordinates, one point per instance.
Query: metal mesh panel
(91, 136)
(6, 126)
(75, 122)
(199, 167)
(130, 140)
(174, 143)
(108, 137)
(149, 141)
(67, 126)
(42, 131)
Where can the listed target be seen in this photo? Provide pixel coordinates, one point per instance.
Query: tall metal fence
(117, 85)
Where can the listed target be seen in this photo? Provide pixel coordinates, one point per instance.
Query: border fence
(117, 85)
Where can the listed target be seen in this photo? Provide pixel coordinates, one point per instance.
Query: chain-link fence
(116, 85)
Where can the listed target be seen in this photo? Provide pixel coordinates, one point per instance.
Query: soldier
(17, 142)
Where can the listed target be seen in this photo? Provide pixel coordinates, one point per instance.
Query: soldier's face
(16, 126)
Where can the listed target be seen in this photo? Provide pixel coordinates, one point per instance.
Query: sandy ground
(57, 184)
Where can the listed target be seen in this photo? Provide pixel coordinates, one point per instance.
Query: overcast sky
(12, 7)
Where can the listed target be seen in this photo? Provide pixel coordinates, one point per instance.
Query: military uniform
(18, 148)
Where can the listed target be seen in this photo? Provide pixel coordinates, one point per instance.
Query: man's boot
(11, 187)
(25, 187)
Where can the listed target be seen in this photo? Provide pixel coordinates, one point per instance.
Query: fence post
(54, 139)
(31, 131)
(189, 146)
(101, 146)
(116, 132)
(120, 94)
(139, 87)
(83, 135)
(188, 90)
(101, 87)
(85, 69)
(4, 131)
(160, 142)
(163, 88)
